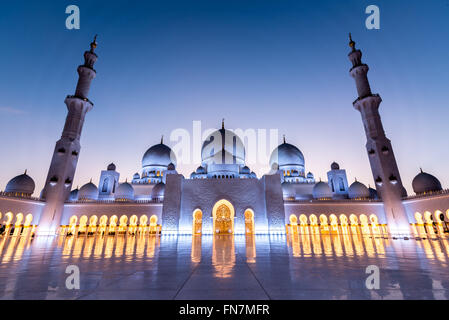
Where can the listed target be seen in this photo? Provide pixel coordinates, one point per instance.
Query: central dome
(286, 155)
(158, 155)
(223, 147)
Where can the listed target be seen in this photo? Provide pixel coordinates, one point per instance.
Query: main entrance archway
(223, 216)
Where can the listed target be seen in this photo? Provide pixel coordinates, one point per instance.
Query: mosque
(223, 195)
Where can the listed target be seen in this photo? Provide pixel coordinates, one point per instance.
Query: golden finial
(351, 42)
(222, 123)
(93, 44)
(162, 139)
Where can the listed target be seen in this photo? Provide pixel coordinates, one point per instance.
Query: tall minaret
(380, 152)
(67, 149)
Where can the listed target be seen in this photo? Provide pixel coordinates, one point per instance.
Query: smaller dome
(21, 184)
(88, 192)
(200, 170)
(321, 190)
(275, 167)
(125, 191)
(288, 190)
(424, 183)
(335, 166)
(245, 170)
(373, 194)
(111, 167)
(171, 166)
(253, 174)
(158, 191)
(358, 190)
(310, 175)
(136, 176)
(74, 195)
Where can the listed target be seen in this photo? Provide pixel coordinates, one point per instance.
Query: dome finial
(284, 138)
(90, 180)
(162, 139)
(126, 180)
(421, 170)
(222, 123)
(93, 44)
(355, 179)
(351, 42)
(26, 171)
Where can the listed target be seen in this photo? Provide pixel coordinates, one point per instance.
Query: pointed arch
(223, 217)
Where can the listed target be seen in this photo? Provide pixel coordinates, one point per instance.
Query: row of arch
(111, 225)
(335, 224)
(16, 224)
(429, 224)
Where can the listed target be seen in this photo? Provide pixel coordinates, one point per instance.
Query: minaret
(380, 152)
(65, 156)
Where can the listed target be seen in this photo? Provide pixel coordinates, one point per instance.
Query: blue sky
(259, 64)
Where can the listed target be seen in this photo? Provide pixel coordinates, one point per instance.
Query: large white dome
(125, 191)
(286, 155)
(223, 147)
(158, 155)
(358, 190)
(88, 192)
(21, 184)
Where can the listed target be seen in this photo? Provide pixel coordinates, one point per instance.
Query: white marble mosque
(223, 195)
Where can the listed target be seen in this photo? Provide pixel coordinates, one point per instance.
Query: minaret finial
(162, 139)
(351, 42)
(93, 44)
(222, 123)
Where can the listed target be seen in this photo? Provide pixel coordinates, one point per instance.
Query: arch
(354, 220)
(333, 219)
(19, 219)
(72, 225)
(374, 219)
(92, 224)
(133, 220)
(153, 224)
(303, 220)
(343, 220)
(293, 220)
(437, 216)
(428, 217)
(103, 220)
(223, 217)
(313, 220)
(418, 218)
(28, 220)
(9, 216)
(447, 213)
(83, 224)
(363, 219)
(112, 224)
(123, 223)
(143, 220)
(197, 223)
(323, 219)
(249, 221)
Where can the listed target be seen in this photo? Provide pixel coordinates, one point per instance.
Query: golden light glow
(223, 217)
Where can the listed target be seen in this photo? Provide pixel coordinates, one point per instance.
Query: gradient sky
(259, 64)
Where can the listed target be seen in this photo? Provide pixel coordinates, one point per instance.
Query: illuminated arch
(153, 224)
(374, 219)
(197, 223)
(249, 221)
(333, 219)
(437, 216)
(313, 220)
(19, 220)
(9, 216)
(224, 222)
(103, 220)
(83, 224)
(112, 224)
(93, 220)
(343, 220)
(123, 223)
(28, 220)
(323, 219)
(418, 218)
(354, 220)
(428, 217)
(303, 219)
(293, 220)
(143, 220)
(363, 220)
(133, 220)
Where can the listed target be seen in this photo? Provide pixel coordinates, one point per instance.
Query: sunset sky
(258, 64)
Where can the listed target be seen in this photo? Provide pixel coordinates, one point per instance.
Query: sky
(259, 64)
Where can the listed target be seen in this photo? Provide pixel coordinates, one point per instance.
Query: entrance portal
(223, 215)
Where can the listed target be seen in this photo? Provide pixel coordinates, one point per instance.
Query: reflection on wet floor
(300, 265)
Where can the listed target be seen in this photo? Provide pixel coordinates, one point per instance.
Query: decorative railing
(18, 196)
(291, 200)
(427, 194)
(107, 201)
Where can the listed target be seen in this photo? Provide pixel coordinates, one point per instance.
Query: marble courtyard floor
(223, 267)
